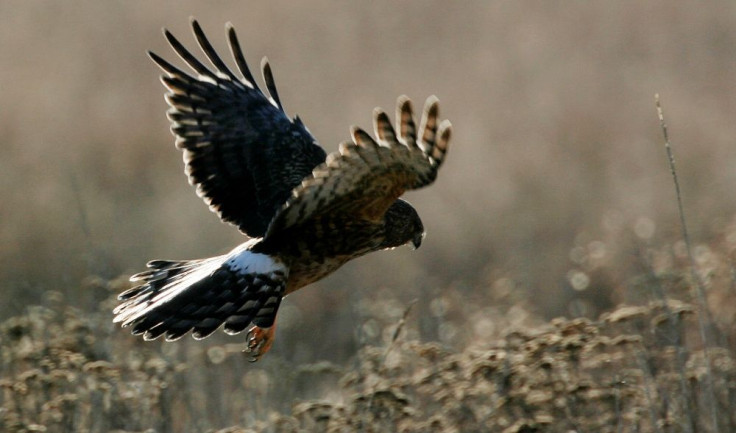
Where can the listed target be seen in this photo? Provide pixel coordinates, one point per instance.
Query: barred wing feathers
(241, 151)
(365, 177)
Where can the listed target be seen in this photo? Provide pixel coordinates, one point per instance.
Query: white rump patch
(244, 261)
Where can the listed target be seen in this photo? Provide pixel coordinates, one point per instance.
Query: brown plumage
(307, 213)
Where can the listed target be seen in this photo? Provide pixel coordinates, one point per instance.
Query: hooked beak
(417, 241)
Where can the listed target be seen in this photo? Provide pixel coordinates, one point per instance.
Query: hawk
(306, 213)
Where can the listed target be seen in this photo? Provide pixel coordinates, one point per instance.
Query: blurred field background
(555, 198)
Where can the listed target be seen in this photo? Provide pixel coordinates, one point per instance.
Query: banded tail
(176, 297)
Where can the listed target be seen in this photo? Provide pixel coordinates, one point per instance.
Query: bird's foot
(259, 341)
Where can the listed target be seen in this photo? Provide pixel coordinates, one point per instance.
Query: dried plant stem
(681, 351)
(394, 338)
(704, 321)
(399, 327)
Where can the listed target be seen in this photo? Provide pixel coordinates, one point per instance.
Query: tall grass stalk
(704, 320)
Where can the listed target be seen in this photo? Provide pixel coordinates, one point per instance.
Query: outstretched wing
(242, 152)
(365, 177)
(202, 295)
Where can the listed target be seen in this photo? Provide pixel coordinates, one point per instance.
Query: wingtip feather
(432, 99)
(428, 124)
(270, 82)
(383, 129)
(237, 53)
(405, 121)
(443, 142)
(401, 100)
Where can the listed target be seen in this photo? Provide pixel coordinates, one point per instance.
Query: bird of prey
(306, 213)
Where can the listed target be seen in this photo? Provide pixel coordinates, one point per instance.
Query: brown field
(556, 200)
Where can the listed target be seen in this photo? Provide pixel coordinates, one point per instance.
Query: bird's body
(306, 213)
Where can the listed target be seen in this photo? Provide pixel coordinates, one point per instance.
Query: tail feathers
(165, 280)
(160, 273)
(176, 297)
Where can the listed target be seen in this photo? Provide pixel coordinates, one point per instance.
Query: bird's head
(402, 225)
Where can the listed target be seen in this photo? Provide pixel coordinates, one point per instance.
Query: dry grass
(637, 368)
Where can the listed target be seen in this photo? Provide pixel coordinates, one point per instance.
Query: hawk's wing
(365, 177)
(241, 150)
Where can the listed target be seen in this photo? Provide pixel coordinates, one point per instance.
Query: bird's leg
(259, 341)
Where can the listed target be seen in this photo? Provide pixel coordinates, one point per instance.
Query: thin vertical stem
(704, 321)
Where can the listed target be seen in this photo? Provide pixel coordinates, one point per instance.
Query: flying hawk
(306, 213)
